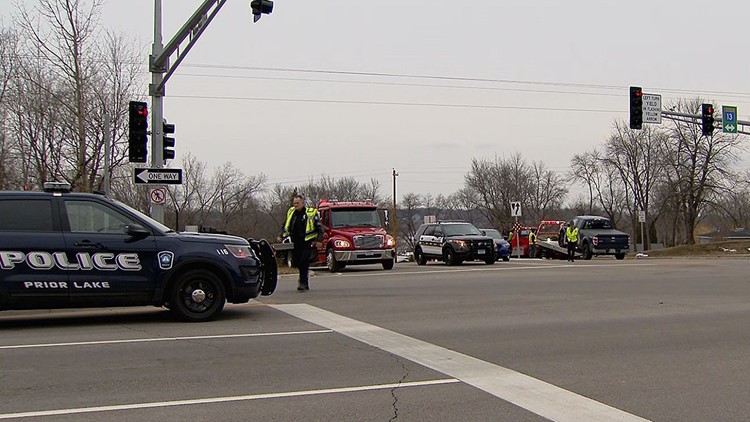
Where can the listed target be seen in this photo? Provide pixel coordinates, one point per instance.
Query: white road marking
(154, 339)
(537, 396)
(493, 269)
(211, 400)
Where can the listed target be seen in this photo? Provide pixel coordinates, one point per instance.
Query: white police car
(71, 250)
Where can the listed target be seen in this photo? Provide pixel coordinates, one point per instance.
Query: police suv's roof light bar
(57, 187)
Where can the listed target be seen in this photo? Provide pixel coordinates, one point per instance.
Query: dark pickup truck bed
(597, 236)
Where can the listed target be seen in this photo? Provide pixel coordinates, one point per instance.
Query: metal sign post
(515, 211)
(642, 220)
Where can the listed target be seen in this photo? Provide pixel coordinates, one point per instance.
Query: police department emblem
(166, 258)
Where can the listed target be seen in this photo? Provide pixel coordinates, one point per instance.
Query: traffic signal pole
(161, 70)
(157, 105)
(696, 119)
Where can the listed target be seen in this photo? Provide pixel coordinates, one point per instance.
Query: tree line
(61, 73)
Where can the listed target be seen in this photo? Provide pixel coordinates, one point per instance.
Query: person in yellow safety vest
(302, 225)
(532, 244)
(571, 235)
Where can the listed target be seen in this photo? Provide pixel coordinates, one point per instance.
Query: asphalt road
(662, 340)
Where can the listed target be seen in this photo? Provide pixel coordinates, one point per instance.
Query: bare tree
(65, 43)
(696, 166)
(494, 184)
(635, 156)
(547, 192)
(409, 219)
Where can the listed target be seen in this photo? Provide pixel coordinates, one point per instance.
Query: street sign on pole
(515, 209)
(729, 119)
(157, 176)
(652, 108)
(641, 216)
(157, 196)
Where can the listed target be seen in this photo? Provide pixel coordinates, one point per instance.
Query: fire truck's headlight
(342, 244)
(390, 241)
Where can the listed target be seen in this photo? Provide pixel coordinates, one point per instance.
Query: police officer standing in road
(571, 235)
(303, 227)
(532, 244)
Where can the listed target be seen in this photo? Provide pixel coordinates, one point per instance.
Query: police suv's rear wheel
(197, 296)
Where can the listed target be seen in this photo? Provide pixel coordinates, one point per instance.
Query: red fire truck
(353, 234)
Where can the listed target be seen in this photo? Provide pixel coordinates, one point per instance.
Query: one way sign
(157, 176)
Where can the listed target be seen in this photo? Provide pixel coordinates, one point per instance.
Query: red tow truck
(548, 242)
(353, 234)
(519, 241)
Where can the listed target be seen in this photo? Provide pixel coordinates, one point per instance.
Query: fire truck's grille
(368, 242)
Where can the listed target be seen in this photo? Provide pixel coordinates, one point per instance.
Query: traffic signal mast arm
(193, 29)
(696, 119)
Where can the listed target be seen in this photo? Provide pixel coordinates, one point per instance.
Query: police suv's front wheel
(197, 296)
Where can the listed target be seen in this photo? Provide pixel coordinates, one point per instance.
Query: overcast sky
(542, 57)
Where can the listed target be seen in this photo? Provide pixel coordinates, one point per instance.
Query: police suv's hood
(209, 237)
(471, 237)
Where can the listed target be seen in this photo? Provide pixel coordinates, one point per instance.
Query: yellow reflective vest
(572, 235)
(311, 229)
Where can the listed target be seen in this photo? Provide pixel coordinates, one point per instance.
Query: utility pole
(394, 223)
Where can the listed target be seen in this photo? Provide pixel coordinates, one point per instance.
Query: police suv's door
(32, 254)
(118, 270)
(438, 243)
(427, 241)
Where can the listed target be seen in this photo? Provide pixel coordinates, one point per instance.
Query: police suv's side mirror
(137, 232)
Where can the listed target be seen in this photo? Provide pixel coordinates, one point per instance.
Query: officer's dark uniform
(303, 227)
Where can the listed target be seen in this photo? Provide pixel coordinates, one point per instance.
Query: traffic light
(707, 119)
(261, 7)
(167, 141)
(636, 107)
(138, 132)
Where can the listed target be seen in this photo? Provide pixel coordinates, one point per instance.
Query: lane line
(534, 395)
(464, 270)
(211, 400)
(155, 339)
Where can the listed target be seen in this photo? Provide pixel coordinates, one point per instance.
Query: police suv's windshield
(161, 227)
(355, 218)
(493, 233)
(461, 230)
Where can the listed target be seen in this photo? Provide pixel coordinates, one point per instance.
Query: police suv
(74, 250)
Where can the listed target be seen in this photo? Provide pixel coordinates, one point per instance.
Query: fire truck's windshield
(355, 218)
